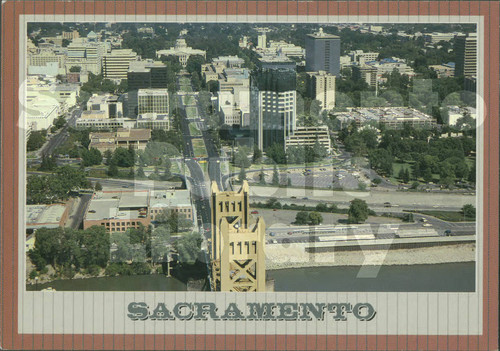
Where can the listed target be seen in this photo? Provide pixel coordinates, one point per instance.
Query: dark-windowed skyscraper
(144, 75)
(323, 53)
(273, 100)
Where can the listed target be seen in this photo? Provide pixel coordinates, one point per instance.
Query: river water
(452, 277)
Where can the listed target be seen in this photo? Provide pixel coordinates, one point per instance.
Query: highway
(405, 200)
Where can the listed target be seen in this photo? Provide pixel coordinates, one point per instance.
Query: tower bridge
(237, 258)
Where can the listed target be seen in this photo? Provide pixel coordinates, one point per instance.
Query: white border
(397, 313)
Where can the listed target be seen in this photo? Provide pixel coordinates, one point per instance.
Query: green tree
(257, 155)
(322, 207)
(97, 186)
(277, 153)
(113, 170)
(91, 157)
(35, 140)
(167, 174)
(194, 63)
(381, 160)
(123, 248)
(123, 157)
(140, 172)
(188, 247)
(59, 122)
(358, 211)
(469, 211)
(428, 177)
(301, 218)
(242, 175)
(240, 158)
(315, 218)
(108, 155)
(276, 176)
(262, 177)
(48, 163)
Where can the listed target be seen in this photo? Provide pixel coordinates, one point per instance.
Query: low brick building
(118, 211)
(123, 137)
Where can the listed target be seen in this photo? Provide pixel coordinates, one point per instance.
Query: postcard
(249, 175)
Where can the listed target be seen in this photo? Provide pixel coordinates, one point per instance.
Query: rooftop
(152, 117)
(124, 133)
(116, 205)
(170, 198)
(144, 66)
(395, 114)
(161, 92)
(44, 216)
(322, 35)
(122, 52)
(102, 99)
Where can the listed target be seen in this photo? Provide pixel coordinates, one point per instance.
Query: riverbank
(295, 256)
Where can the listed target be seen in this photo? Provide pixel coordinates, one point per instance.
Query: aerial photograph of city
(250, 157)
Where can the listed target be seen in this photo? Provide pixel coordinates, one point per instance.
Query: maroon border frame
(9, 336)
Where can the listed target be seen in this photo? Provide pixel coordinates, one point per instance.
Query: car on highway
(387, 204)
(254, 212)
(290, 233)
(272, 234)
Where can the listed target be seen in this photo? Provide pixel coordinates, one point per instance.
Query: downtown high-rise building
(144, 75)
(466, 55)
(321, 87)
(152, 101)
(273, 100)
(323, 52)
(115, 65)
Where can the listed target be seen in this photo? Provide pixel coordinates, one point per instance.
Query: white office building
(115, 65)
(321, 86)
(153, 101)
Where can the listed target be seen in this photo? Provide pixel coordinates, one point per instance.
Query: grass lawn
(194, 130)
(449, 216)
(199, 148)
(98, 173)
(191, 112)
(188, 100)
(396, 167)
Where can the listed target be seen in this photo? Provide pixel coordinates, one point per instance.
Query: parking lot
(326, 177)
(281, 218)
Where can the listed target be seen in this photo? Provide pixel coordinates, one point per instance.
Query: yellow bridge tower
(238, 259)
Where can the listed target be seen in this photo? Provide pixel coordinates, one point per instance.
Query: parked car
(254, 212)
